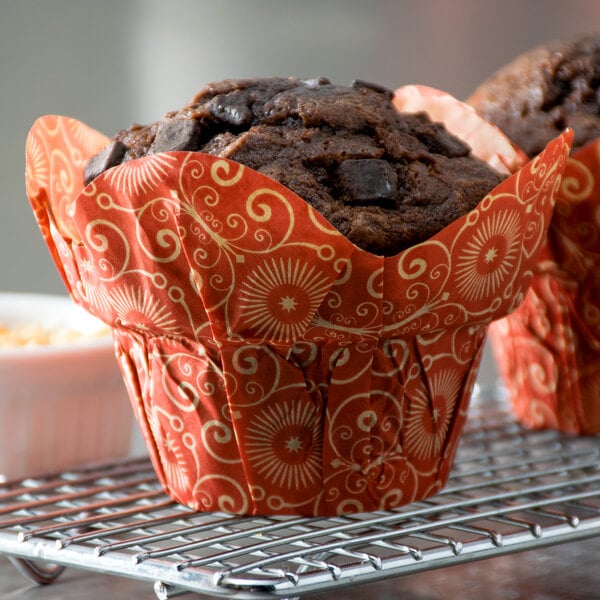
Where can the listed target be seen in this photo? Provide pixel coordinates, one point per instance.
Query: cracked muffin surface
(384, 179)
(543, 91)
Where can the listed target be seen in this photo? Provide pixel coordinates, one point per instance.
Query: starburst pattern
(91, 285)
(37, 168)
(88, 140)
(138, 309)
(173, 458)
(429, 418)
(280, 297)
(175, 466)
(140, 176)
(284, 444)
(489, 258)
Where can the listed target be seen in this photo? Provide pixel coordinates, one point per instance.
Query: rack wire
(510, 490)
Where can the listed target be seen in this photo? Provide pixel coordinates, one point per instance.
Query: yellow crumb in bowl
(40, 335)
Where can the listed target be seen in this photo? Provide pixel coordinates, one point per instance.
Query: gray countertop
(564, 572)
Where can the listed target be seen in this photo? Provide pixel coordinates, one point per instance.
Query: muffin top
(385, 180)
(539, 94)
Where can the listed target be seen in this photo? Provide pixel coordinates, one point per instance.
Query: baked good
(274, 367)
(549, 348)
(385, 180)
(543, 91)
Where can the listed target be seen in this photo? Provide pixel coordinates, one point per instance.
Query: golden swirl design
(416, 268)
(577, 181)
(375, 284)
(354, 371)
(349, 506)
(205, 194)
(424, 277)
(99, 242)
(155, 229)
(192, 169)
(325, 252)
(541, 379)
(245, 360)
(206, 498)
(320, 223)
(366, 420)
(226, 167)
(538, 414)
(216, 436)
(305, 353)
(261, 212)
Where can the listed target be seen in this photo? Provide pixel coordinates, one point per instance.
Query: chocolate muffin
(539, 94)
(548, 349)
(385, 180)
(275, 369)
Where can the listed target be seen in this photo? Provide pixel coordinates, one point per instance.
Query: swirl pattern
(273, 366)
(557, 328)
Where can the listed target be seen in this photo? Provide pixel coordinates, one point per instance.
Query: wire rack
(510, 490)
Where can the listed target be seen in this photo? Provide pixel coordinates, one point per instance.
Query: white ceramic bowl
(63, 403)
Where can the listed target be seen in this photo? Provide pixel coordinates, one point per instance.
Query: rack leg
(164, 591)
(42, 575)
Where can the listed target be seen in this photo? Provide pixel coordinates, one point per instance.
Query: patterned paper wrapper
(274, 367)
(548, 351)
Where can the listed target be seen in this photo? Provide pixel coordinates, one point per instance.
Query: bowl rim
(69, 312)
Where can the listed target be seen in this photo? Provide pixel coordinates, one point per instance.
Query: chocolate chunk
(108, 157)
(368, 181)
(316, 82)
(359, 83)
(230, 109)
(346, 151)
(176, 134)
(437, 140)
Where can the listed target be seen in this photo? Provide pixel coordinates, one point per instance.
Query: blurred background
(113, 62)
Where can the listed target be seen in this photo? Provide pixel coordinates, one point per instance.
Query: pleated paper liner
(273, 366)
(549, 349)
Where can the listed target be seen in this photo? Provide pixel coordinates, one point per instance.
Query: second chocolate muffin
(385, 180)
(543, 91)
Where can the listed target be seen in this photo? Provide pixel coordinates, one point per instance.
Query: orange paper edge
(381, 346)
(548, 351)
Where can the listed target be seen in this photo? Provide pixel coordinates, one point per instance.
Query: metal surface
(510, 490)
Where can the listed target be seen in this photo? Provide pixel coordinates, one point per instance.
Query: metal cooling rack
(510, 490)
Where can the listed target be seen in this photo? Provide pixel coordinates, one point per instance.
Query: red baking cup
(273, 366)
(549, 349)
